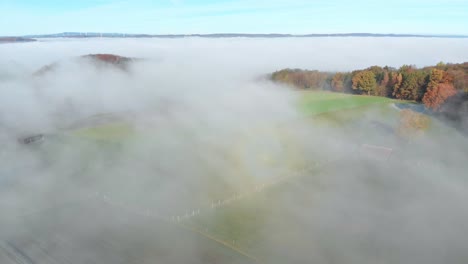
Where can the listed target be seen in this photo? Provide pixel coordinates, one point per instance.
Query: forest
(443, 88)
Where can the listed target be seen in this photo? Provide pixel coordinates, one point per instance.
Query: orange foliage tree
(439, 89)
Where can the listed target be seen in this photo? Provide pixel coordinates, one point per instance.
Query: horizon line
(85, 34)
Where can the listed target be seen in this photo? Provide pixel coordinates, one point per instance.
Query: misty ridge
(188, 153)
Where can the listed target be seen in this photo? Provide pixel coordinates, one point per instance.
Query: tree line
(441, 88)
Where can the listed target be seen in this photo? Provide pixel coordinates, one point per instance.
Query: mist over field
(256, 56)
(191, 155)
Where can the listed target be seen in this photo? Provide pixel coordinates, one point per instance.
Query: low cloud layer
(193, 122)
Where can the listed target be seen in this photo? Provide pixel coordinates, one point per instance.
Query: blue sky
(20, 17)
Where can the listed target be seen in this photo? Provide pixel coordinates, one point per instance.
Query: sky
(22, 17)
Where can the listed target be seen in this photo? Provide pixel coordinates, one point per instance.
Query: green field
(247, 223)
(242, 223)
(314, 103)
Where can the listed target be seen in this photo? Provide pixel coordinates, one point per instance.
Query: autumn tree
(364, 81)
(395, 81)
(459, 72)
(337, 82)
(439, 89)
(301, 79)
(384, 86)
(411, 83)
(413, 86)
(460, 79)
(385, 79)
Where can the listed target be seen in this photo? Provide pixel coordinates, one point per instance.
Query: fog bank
(191, 145)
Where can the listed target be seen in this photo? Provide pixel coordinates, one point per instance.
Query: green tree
(412, 82)
(378, 73)
(441, 66)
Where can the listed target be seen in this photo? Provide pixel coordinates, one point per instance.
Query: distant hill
(15, 39)
(232, 35)
(97, 59)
